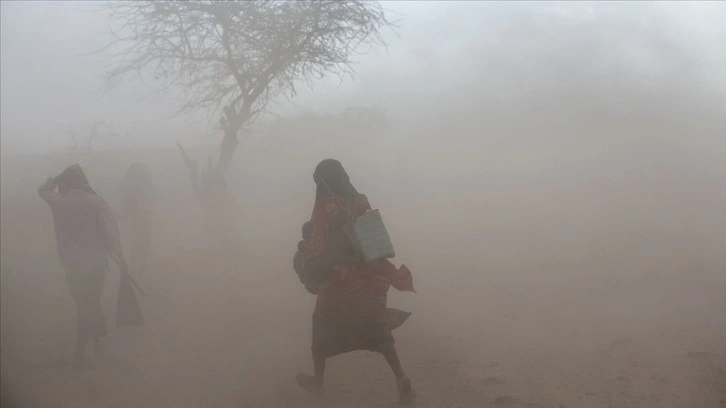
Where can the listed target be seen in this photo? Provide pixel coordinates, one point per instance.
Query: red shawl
(351, 291)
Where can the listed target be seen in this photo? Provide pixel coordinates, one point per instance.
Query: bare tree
(233, 57)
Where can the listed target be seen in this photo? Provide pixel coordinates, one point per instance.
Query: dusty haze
(554, 175)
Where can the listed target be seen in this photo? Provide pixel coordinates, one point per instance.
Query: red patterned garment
(351, 291)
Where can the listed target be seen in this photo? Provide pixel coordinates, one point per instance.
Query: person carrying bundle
(351, 310)
(86, 234)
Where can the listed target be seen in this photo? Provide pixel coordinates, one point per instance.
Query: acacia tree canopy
(233, 57)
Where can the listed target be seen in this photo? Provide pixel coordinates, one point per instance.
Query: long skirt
(86, 289)
(335, 336)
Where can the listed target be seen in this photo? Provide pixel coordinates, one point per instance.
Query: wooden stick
(128, 275)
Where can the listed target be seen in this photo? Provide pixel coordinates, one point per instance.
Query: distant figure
(137, 196)
(86, 233)
(221, 209)
(351, 310)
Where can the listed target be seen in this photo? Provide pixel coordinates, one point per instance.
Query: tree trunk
(227, 149)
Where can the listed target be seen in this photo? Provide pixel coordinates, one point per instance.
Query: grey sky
(47, 86)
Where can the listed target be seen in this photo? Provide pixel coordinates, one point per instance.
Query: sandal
(308, 382)
(406, 394)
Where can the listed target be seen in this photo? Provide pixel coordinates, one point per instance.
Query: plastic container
(369, 235)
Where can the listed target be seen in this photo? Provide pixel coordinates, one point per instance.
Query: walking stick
(128, 275)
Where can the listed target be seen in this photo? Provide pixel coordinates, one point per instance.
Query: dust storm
(552, 175)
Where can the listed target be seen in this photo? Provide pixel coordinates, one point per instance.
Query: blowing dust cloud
(363, 204)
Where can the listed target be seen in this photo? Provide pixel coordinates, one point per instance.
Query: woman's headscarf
(73, 178)
(332, 179)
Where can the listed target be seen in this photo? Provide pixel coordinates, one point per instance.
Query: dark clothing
(332, 179)
(73, 178)
(350, 312)
(85, 229)
(349, 289)
(334, 336)
(128, 310)
(86, 233)
(305, 279)
(86, 289)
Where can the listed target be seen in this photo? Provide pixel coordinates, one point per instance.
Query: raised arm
(46, 191)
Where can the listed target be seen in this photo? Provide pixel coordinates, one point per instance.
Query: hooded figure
(86, 234)
(351, 310)
(73, 178)
(331, 179)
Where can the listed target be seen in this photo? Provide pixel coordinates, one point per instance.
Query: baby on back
(297, 261)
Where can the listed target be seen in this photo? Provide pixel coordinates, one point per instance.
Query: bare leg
(406, 395)
(391, 355)
(319, 364)
(91, 322)
(314, 383)
(81, 337)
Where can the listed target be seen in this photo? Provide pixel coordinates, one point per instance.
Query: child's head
(307, 229)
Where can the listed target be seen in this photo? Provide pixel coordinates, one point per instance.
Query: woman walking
(351, 309)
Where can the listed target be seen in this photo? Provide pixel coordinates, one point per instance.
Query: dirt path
(235, 334)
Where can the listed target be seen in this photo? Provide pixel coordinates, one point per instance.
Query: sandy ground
(502, 318)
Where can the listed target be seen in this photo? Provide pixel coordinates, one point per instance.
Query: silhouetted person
(221, 208)
(86, 233)
(351, 309)
(137, 196)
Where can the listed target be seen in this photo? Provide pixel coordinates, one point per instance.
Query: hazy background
(461, 58)
(553, 173)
